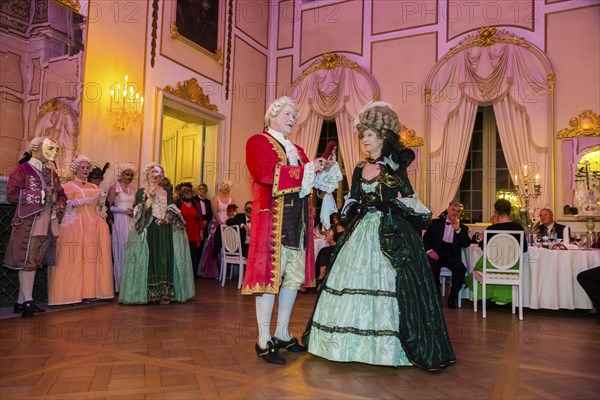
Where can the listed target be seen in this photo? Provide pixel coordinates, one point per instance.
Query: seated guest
(443, 241)
(590, 282)
(336, 226)
(548, 225)
(324, 257)
(243, 221)
(500, 294)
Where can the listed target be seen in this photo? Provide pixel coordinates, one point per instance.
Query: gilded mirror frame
(573, 143)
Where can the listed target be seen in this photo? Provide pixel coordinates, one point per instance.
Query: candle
(112, 94)
(516, 179)
(537, 180)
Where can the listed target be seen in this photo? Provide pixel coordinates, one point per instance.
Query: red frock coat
(272, 179)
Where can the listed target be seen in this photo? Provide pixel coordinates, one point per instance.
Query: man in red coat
(281, 254)
(35, 188)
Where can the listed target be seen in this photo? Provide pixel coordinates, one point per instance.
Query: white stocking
(264, 309)
(287, 297)
(26, 279)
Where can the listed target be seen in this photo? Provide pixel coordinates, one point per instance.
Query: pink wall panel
(389, 16)
(252, 18)
(400, 67)
(284, 75)
(462, 16)
(285, 28)
(247, 110)
(333, 27)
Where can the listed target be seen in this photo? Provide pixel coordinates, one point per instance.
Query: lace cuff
(327, 181)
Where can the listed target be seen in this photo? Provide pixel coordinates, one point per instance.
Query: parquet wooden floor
(204, 349)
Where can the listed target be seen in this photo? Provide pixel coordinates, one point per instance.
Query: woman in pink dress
(209, 266)
(121, 196)
(83, 259)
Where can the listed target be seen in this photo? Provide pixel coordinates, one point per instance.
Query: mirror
(579, 174)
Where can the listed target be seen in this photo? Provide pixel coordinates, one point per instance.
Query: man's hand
(455, 225)
(432, 254)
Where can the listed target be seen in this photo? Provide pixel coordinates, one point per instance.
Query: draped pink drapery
(513, 79)
(339, 94)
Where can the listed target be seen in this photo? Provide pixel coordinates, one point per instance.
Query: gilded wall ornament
(190, 90)
(328, 61)
(585, 124)
(409, 138)
(488, 36)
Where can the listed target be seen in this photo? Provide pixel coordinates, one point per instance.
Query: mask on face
(49, 149)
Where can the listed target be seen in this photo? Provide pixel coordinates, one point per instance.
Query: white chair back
(231, 252)
(502, 250)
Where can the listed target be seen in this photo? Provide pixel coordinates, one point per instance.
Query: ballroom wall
(266, 45)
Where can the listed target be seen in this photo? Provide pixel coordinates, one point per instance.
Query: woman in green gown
(157, 267)
(379, 304)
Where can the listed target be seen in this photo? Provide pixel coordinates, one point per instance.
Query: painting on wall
(197, 21)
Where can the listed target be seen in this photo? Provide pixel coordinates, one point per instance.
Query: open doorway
(187, 142)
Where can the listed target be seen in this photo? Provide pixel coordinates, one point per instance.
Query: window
(329, 132)
(486, 175)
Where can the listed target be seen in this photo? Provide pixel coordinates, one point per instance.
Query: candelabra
(527, 189)
(125, 105)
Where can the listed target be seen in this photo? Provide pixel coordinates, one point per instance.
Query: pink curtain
(512, 79)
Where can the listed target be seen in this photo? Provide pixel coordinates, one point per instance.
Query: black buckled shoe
(36, 309)
(27, 309)
(270, 354)
(291, 345)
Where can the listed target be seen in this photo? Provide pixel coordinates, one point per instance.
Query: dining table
(549, 276)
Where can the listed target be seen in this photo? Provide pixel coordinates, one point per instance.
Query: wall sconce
(126, 104)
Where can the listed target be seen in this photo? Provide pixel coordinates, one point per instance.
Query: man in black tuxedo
(243, 221)
(206, 209)
(547, 224)
(443, 241)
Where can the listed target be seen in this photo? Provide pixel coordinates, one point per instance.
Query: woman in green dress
(499, 294)
(157, 266)
(379, 303)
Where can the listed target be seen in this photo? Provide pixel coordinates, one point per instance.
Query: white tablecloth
(550, 276)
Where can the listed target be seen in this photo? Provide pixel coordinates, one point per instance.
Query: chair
(231, 252)
(446, 273)
(501, 251)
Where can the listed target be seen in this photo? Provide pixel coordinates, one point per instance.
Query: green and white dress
(379, 304)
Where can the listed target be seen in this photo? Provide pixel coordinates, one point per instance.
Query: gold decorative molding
(585, 124)
(328, 61)
(551, 82)
(409, 138)
(191, 91)
(72, 4)
(488, 36)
